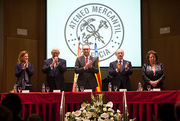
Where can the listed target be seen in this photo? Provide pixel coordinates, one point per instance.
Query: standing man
(54, 69)
(86, 66)
(120, 70)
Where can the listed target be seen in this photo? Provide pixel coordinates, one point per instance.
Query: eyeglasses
(55, 52)
(85, 48)
(152, 57)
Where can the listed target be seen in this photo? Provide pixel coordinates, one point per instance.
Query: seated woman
(23, 71)
(153, 71)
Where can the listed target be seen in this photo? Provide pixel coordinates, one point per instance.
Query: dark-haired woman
(153, 71)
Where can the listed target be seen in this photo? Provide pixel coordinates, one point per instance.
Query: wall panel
(13, 47)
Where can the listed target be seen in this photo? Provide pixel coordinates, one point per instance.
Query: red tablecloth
(141, 105)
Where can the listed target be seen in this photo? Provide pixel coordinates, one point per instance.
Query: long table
(142, 105)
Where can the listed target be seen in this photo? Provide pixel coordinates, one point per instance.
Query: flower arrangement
(95, 111)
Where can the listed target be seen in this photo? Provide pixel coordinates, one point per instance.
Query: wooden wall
(30, 15)
(1, 44)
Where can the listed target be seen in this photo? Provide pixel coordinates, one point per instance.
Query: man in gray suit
(86, 66)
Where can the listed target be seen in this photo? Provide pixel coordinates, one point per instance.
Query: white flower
(109, 104)
(111, 114)
(66, 119)
(99, 119)
(104, 109)
(104, 115)
(77, 113)
(86, 120)
(98, 103)
(78, 119)
(110, 110)
(83, 105)
(118, 116)
(84, 111)
(89, 114)
(67, 114)
(111, 119)
(81, 109)
(118, 111)
(95, 110)
(73, 113)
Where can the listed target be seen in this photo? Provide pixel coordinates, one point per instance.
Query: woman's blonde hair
(20, 57)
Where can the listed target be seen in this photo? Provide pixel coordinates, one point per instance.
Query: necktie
(86, 60)
(120, 65)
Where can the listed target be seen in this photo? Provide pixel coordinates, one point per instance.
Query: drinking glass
(47, 88)
(115, 87)
(148, 87)
(19, 89)
(82, 88)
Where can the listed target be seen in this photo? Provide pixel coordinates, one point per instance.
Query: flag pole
(98, 75)
(76, 75)
(62, 107)
(125, 112)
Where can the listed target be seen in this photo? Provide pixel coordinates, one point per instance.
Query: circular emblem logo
(95, 23)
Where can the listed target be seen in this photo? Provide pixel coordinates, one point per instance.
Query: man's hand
(127, 65)
(52, 64)
(88, 65)
(56, 60)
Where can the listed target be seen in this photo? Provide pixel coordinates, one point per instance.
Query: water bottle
(76, 88)
(109, 87)
(139, 86)
(43, 88)
(15, 88)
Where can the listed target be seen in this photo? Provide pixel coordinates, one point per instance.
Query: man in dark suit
(54, 69)
(86, 66)
(120, 70)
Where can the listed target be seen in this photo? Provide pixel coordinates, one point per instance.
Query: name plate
(25, 91)
(56, 90)
(122, 90)
(88, 90)
(156, 89)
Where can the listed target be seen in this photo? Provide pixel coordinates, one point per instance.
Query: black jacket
(87, 77)
(55, 76)
(148, 74)
(121, 78)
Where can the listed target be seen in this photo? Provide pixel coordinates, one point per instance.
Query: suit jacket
(20, 74)
(87, 77)
(120, 78)
(148, 74)
(55, 76)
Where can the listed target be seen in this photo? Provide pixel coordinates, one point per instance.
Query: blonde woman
(23, 71)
